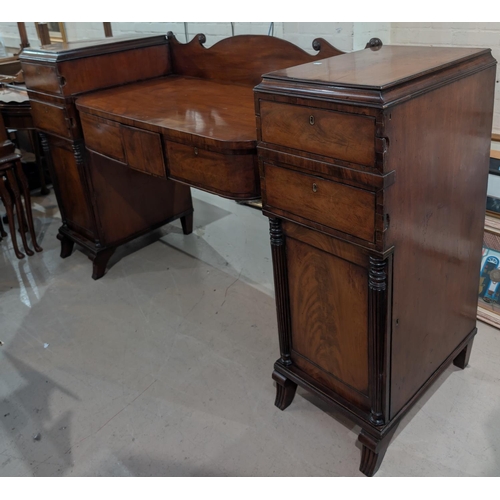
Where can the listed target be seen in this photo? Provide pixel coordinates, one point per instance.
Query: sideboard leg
(462, 360)
(187, 224)
(67, 245)
(285, 390)
(100, 262)
(373, 451)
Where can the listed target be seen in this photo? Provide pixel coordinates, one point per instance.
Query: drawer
(337, 206)
(347, 137)
(42, 78)
(139, 149)
(50, 118)
(85, 73)
(143, 150)
(103, 136)
(231, 175)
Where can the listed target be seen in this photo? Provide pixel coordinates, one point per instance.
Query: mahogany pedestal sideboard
(374, 169)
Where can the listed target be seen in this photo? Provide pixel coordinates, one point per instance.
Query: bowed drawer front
(140, 149)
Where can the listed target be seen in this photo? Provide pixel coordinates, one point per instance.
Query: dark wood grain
(443, 161)
(103, 136)
(344, 136)
(71, 187)
(329, 311)
(278, 251)
(220, 114)
(51, 118)
(72, 68)
(108, 31)
(380, 69)
(241, 59)
(402, 305)
(43, 33)
(336, 205)
(136, 203)
(55, 75)
(41, 78)
(143, 151)
(23, 35)
(232, 176)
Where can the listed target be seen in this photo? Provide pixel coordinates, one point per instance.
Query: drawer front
(103, 136)
(338, 206)
(234, 176)
(41, 78)
(119, 68)
(50, 118)
(139, 149)
(85, 74)
(347, 137)
(143, 151)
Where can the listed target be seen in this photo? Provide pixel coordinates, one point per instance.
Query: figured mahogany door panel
(143, 150)
(345, 208)
(50, 118)
(77, 212)
(329, 314)
(42, 78)
(103, 136)
(344, 136)
(232, 176)
(129, 202)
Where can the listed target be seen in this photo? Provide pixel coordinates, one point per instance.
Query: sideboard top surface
(379, 69)
(64, 51)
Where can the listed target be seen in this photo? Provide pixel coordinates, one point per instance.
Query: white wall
(346, 36)
(485, 35)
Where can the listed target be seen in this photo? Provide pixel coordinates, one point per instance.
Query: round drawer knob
(315, 187)
(311, 120)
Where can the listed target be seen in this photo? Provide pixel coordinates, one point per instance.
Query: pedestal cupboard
(373, 170)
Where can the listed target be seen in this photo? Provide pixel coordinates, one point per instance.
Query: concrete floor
(163, 368)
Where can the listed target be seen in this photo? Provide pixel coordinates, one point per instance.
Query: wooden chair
(12, 183)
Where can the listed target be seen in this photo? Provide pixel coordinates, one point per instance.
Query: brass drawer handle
(311, 120)
(315, 187)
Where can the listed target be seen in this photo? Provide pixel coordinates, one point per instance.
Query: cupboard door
(329, 319)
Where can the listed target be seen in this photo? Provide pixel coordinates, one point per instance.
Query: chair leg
(27, 204)
(7, 201)
(19, 209)
(3, 234)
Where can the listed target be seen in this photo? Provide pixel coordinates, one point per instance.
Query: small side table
(16, 113)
